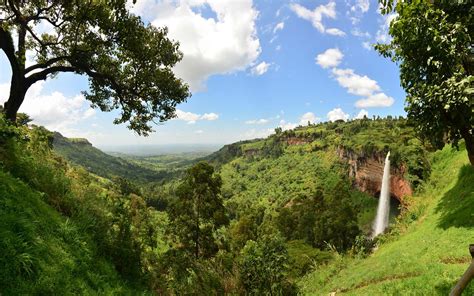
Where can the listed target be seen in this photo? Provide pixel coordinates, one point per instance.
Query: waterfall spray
(383, 209)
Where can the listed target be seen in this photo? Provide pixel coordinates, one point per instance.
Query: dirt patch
(456, 260)
(379, 280)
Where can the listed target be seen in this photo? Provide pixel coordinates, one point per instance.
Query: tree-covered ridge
(81, 152)
(364, 137)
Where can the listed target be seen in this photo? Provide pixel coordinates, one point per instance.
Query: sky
(252, 66)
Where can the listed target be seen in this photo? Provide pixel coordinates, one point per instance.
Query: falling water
(381, 220)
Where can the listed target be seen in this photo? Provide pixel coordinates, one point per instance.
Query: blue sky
(252, 66)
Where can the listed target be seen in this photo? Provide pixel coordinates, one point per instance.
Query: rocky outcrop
(367, 171)
(296, 140)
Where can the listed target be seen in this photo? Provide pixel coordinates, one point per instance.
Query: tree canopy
(198, 210)
(129, 64)
(433, 45)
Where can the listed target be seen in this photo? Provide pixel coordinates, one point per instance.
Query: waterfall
(383, 209)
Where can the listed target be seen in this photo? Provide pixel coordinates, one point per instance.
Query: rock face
(367, 172)
(296, 140)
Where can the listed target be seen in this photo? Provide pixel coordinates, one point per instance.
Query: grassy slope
(429, 257)
(43, 253)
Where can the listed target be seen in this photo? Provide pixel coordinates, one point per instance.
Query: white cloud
(220, 45)
(278, 27)
(330, 58)
(260, 69)
(55, 111)
(367, 45)
(287, 125)
(199, 132)
(210, 116)
(358, 33)
(191, 118)
(337, 114)
(316, 16)
(361, 114)
(357, 10)
(257, 121)
(376, 100)
(335, 32)
(308, 117)
(361, 5)
(354, 83)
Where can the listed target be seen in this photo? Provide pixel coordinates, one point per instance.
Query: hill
(81, 152)
(425, 253)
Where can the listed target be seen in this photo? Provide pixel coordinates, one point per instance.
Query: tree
(263, 267)
(436, 58)
(198, 210)
(129, 64)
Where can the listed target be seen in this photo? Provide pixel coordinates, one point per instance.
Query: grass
(430, 253)
(44, 253)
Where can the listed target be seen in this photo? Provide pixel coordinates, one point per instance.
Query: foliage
(198, 211)
(436, 60)
(263, 268)
(322, 219)
(129, 64)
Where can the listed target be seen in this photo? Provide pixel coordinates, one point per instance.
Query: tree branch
(44, 74)
(46, 64)
(6, 44)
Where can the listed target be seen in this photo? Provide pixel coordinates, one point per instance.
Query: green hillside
(81, 152)
(426, 253)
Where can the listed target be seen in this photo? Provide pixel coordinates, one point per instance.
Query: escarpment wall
(367, 170)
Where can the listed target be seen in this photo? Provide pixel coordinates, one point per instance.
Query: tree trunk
(17, 95)
(469, 140)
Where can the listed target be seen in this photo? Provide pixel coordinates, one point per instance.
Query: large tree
(198, 211)
(129, 64)
(433, 45)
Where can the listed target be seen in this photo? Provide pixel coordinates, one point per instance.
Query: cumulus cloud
(191, 118)
(357, 10)
(330, 58)
(337, 114)
(335, 32)
(308, 117)
(211, 45)
(376, 100)
(278, 27)
(55, 111)
(361, 114)
(260, 69)
(199, 132)
(316, 16)
(257, 121)
(354, 83)
(287, 125)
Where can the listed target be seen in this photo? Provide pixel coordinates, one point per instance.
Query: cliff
(367, 171)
